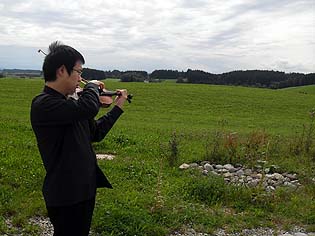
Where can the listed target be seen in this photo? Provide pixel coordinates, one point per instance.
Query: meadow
(166, 125)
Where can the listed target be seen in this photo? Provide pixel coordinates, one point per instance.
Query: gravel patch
(297, 231)
(46, 229)
(44, 224)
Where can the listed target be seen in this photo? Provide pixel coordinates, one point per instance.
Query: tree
(92, 74)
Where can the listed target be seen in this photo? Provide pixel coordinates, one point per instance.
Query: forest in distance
(252, 78)
(249, 78)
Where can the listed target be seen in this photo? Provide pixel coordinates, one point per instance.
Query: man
(64, 129)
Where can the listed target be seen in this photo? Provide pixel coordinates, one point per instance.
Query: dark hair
(58, 55)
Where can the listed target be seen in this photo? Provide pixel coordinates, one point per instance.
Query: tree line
(254, 78)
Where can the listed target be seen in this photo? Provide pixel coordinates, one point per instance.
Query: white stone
(228, 166)
(270, 188)
(193, 165)
(208, 167)
(248, 178)
(300, 234)
(221, 171)
(240, 172)
(184, 166)
(227, 175)
(219, 167)
(277, 176)
(105, 157)
(253, 183)
(291, 176)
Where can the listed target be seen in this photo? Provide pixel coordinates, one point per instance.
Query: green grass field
(150, 197)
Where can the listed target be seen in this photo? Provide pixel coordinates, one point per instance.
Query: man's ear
(60, 71)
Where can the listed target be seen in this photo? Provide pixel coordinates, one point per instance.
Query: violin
(106, 96)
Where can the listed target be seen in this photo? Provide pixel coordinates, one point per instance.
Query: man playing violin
(64, 129)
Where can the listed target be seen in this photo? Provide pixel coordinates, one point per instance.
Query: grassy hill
(150, 197)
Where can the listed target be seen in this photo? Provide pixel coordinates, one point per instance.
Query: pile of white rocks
(239, 175)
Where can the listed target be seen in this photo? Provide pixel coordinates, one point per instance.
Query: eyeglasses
(78, 71)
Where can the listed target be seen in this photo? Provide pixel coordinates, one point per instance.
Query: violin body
(105, 101)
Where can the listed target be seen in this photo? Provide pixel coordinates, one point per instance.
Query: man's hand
(99, 83)
(121, 98)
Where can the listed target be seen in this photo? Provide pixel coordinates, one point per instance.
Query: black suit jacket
(64, 129)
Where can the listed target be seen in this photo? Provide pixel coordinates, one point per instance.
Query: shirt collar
(53, 92)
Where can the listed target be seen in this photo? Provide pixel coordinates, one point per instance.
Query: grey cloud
(181, 18)
(193, 4)
(148, 43)
(125, 61)
(11, 3)
(225, 37)
(271, 5)
(268, 7)
(44, 18)
(48, 17)
(287, 66)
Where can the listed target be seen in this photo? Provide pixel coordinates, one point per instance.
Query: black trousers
(73, 220)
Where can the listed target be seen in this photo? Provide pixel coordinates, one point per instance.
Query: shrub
(173, 147)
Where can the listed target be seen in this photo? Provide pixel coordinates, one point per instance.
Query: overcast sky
(214, 36)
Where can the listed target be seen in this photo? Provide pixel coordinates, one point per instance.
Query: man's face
(73, 81)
